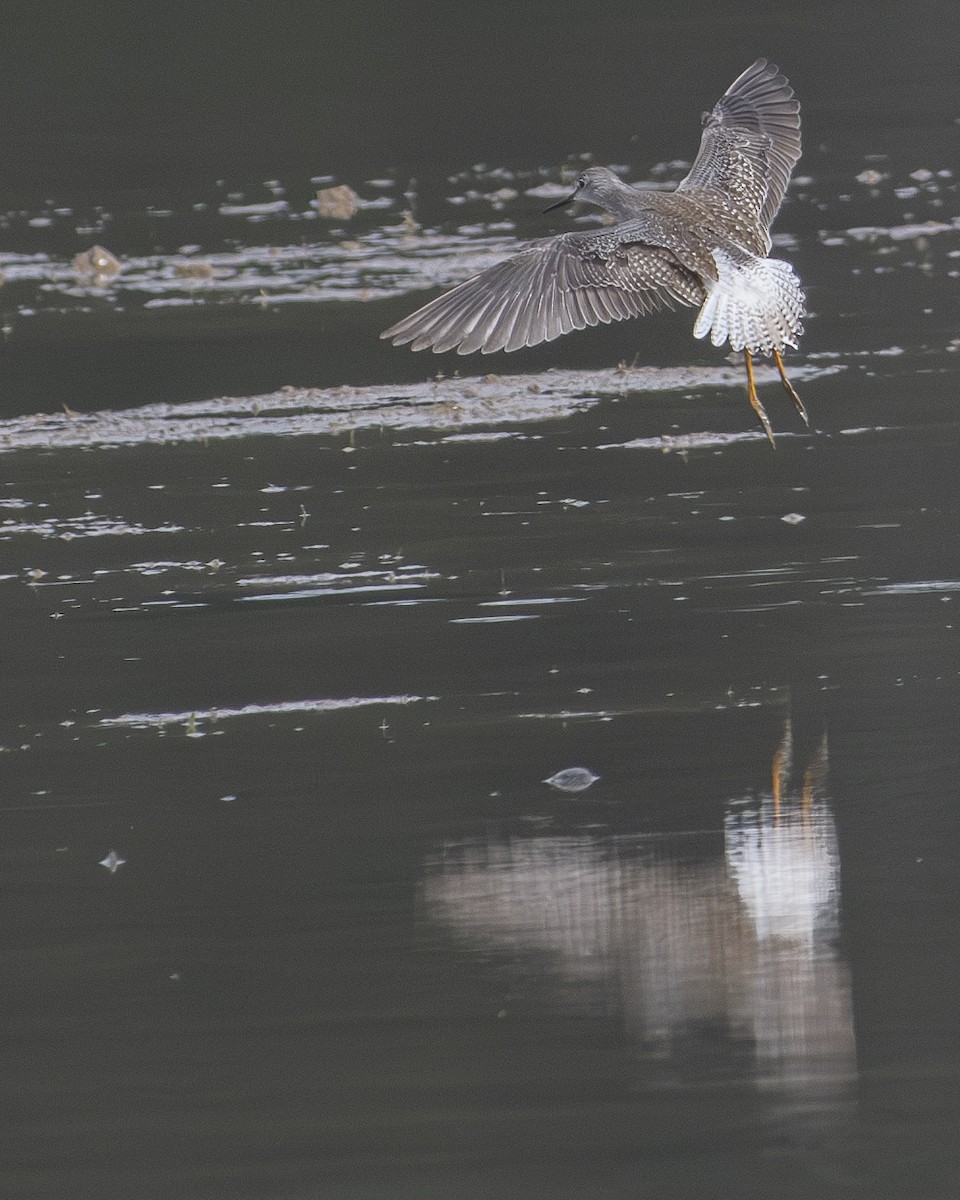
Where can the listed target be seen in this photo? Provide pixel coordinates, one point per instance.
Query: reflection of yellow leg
(789, 387)
(780, 767)
(814, 776)
(806, 795)
(755, 399)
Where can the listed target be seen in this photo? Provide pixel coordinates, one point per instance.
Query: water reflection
(731, 932)
(782, 857)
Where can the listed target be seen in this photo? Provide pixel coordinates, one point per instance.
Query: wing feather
(552, 287)
(750, 142)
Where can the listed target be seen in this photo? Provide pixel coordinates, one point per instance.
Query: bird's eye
(582, 181)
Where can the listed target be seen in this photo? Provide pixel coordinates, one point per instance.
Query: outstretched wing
(751, 142)
(552, 287)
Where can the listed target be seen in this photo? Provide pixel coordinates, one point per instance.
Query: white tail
(756, 304)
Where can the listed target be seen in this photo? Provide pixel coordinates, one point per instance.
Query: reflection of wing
(553, 286)
(751, 142)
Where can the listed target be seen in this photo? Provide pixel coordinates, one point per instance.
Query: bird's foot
(755, 399)
(789, 388)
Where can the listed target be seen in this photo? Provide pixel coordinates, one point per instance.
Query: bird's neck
(622, 200)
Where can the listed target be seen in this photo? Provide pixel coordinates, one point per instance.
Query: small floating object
(97, 264)
(793, 518)
(193, 270)
(112, 862)
(573, 779)
(337, 203)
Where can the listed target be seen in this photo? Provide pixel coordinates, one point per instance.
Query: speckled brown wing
(750, 144)
(554, 286)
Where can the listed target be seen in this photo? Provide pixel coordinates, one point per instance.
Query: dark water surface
(288, 910)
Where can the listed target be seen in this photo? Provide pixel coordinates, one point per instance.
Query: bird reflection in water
(782, 857)
(678, 937)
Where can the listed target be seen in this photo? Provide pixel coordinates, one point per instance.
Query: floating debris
(573, 779)
(112, 862)
(283, 707)
(452, 405)
(253, 211)
(96, 264)
(793, 518)
(194, 270)
(337, 203)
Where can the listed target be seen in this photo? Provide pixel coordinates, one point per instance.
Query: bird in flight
(706, 243)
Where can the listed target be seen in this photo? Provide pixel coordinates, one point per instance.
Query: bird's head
(595, 185)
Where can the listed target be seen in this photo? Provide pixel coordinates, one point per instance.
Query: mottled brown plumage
(706, 243)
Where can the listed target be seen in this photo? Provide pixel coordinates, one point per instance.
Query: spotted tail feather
(756, 304)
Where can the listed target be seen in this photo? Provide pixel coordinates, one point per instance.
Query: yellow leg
(789, 387)
(780, 769)
(755, 399)
(778, 773)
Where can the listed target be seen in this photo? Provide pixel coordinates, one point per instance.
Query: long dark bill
(561, 203)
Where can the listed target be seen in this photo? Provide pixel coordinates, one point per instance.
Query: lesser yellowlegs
(706, 243)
